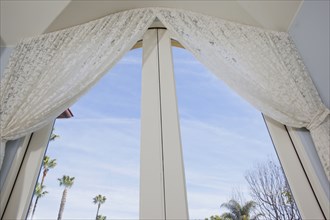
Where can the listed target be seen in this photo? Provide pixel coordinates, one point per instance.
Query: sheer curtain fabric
(48, 73)
(262, 66)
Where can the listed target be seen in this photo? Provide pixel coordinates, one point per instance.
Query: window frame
(307, 162)
(293, 167)
(162, 180)
(310, 196)
(12, 173)
(23, 184)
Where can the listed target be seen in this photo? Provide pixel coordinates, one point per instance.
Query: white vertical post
(22, 192)
(299, 185)
(162, 184)
(175, 186)
(152, 203)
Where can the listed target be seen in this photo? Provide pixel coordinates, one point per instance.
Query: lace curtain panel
(48, 73)
(45, 74)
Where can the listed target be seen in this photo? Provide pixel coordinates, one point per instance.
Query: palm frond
(238, 211)
(66, 181)
(228, 216)
(48, 163)
(248, 207)
(39, 191)
(99, 199)
(234, 207)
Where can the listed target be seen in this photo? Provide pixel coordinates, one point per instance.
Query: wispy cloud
(221, 136)
(129, 60)
(103, 156)
(187, 61)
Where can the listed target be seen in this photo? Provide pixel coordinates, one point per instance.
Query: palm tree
(99, 200)
(238, 211)
(47, 164)
(38, 193)
(67, 182)
(101, 217)
(53, 136)
(214, 217)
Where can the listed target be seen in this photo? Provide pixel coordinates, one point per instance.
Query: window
(162, 188)
(99, 147)
(225, 144)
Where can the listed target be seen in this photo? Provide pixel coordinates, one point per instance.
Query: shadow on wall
(2, 44)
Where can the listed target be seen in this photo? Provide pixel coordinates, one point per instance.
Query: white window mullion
(175, 186)
(162, 184)
(9, 179)
(322, 191)
(299, 185)
(152, 202)
(22, 192)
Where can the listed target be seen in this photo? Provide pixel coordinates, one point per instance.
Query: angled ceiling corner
(20, 19)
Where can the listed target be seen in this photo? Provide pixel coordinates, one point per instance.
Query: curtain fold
(321, 139)
(48, 73)
(2, 151)
(262, 66)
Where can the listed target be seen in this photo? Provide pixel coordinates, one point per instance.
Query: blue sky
(222, 137)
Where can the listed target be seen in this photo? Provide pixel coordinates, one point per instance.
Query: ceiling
(21, 19)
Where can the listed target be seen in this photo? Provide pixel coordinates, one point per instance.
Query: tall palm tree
(238, 211)
(47, 164)
(67, 182)
(99, 200)
(38, 193)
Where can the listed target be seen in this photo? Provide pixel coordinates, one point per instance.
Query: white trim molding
(301, 189)
(19, 200)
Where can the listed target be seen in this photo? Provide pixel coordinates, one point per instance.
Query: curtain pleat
(262, 66)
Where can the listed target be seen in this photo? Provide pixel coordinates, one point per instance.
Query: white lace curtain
(48, 73)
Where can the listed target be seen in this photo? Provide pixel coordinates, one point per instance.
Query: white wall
(310, 32)
(4, 58)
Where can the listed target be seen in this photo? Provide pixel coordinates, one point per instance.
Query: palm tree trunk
(44, 174)
(36, 201)
(97, 212)
(34, 207)
(63, 200)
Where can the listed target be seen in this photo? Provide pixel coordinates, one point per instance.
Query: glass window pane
(11, 151)
(224, 139)
(99, 146)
